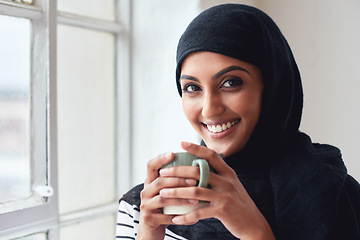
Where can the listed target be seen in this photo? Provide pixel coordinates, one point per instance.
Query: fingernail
(164, 171)
(186, 144)
(190, 182)
(177, 220)
(167, 155)
(164, 192)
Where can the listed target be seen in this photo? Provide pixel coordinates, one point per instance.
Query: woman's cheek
(190, 108)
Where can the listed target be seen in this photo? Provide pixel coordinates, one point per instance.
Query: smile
(221, 127)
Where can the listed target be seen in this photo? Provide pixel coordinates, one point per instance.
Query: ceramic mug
(188, 159)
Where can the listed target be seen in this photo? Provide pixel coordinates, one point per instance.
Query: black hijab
(248, 34)
(302, 188)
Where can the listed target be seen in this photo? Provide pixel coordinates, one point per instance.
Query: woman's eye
(191, 88)
(233, 82)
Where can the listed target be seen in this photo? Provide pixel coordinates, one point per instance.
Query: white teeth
(220, 128)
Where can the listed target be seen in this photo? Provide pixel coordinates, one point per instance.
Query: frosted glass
(103, 9)
(15, 39)
(100, 228)
(86, 129)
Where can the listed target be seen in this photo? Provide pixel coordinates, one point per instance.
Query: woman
(242, 93)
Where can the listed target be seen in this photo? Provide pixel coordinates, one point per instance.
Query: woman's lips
(220, 129)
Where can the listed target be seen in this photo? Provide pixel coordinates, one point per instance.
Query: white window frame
(38, 212)
(43, 215)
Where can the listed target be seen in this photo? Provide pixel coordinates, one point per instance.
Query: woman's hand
(153, 222)
(229, 201)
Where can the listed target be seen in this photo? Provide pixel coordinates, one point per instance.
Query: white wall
(325, 43)
(158, 122)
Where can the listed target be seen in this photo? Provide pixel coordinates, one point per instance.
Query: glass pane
(100, 228)
(103, 9)
(86, 112)
(15, 39)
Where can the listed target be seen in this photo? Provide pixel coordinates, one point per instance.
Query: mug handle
(204, 171)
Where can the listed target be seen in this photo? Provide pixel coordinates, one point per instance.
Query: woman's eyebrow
(184, 76)
(229, 69)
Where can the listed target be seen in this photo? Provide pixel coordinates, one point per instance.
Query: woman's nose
(212, 105)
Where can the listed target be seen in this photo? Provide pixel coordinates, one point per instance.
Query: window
(15, 35)
(25, 152)
(64, 85)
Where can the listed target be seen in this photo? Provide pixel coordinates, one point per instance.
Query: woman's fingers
(210, 155)
(198, 193)
(156, 219)
(193, 216)
(159, 202)
(189, 172)
(181, 172)
(155, 164)
(159, 183)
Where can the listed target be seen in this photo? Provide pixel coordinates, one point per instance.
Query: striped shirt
(128, 223)
(129, 215)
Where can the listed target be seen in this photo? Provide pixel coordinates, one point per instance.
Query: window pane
(86, 112)
(103, 9)
(15, 39)
(100, 228)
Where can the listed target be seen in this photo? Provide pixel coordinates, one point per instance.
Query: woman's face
(221, 99)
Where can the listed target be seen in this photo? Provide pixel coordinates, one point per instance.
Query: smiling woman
(242, 92)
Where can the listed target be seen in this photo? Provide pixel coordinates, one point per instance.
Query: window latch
(45, 191)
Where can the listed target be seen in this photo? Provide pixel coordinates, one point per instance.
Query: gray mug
(188, 159)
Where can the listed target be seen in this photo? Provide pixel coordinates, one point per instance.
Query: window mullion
(87, 214)
(123, 100)
(89, 22)
(40, 53)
